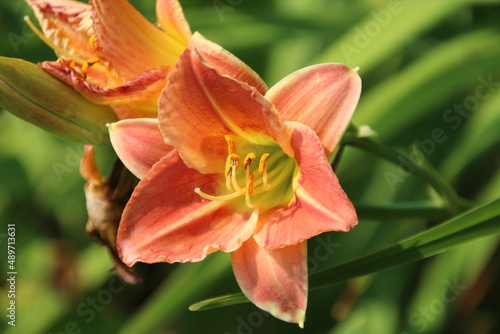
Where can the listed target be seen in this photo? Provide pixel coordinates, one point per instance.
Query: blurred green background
(431, 77)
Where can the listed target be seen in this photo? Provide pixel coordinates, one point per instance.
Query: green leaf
(476, 223)
(386, 30)
(397, 103)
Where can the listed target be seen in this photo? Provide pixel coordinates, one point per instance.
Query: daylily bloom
(110, 53)
(243, 170)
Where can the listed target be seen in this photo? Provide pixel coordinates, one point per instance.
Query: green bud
(35, 96)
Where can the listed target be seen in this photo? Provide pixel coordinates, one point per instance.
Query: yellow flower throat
(268, 188)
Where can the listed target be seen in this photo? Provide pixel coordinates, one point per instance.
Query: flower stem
(420, 168)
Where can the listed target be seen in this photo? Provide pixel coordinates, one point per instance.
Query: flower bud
(33, 95)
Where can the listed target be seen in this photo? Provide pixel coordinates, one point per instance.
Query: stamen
(61, 52)
(92, 61)
(231, 161)
(250, 180)
(228, 183)
(88, 63)
(231, 147)
(92, 40)
(233, 177)
(85, 68)
(217, 198)
(263, 171)
(248, 160)
(262, 162)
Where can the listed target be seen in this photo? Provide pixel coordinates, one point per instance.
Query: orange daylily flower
(232, 166)
(110, 53)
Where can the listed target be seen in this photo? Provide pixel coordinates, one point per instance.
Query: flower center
(267, 183)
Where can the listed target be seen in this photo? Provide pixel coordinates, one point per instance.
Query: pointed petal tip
(126, 258)
(297, 316)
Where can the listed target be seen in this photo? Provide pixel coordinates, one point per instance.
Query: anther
(87, 64)
(247, 162)
(92, 61)
(249, 183)
(92, 40)
(231, 148)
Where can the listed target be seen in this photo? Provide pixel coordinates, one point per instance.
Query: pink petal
(165, 220)
(320, 204)
(130, 43)
(322, 97)
(67, 24)
(274, 279)
(225, 62)
(138, 143)
(172, 20)
(199, 106)
(142, 91)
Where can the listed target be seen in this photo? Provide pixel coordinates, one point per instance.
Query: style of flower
(232, 166)
(110, 53)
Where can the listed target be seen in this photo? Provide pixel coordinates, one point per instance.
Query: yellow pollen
(85, 68)
(231, 147)
(248, 160)
(234, 179)
(92, 41)
(92, 61)
(87, 64)
(74, 58)
(232, 163)
(250, 181)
